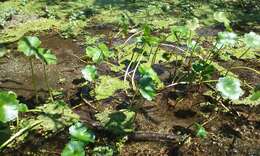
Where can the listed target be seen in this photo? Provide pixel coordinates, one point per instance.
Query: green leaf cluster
(149, 82)
(80, 137)
(203, 69)
(30, 46)
(147, 38)
(99, 53)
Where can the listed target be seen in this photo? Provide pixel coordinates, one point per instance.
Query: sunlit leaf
(229, 88)
(74, 148)
(29, 45)
(221, 17)
(98, 53)
(81, 133)
(95, 54)
(9, 106)
(46, 56)
(105, 50)
(89, 73)
(252, 40)
(193, 24)
(181, 31)
(226, 39)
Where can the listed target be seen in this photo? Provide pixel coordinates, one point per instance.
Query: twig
(173, 46)
(90, 105)
(19, 133)
(129, 38)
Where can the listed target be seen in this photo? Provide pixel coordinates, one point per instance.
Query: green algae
(13, 34)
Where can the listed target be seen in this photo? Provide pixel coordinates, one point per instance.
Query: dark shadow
(31, 102)
(181, 130)
(229, 131)
(174, 151)
(185, 113)
(145, 113)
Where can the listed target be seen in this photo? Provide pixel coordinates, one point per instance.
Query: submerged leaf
(117, 122)
(81, 133)
(29, 45)
(89, 73)
(74, 148)
(54, 117)
(229, 88)
(9, 106)
(108, 86)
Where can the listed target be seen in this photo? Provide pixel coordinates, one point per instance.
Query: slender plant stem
(231, 66)
(124, 44)
(242, 67)
(133, 76)
(33, 80)
(47, 82)
(128, 68)
(184, 82)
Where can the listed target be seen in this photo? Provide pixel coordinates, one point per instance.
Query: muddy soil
(228, 134)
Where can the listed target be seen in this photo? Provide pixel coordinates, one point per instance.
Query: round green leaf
(9, 106)
(29, 45)
(252, 40)
(226, 39)
(229, 88)
(80, 132)
(74, 148)
(89, 73)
